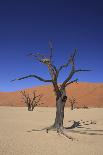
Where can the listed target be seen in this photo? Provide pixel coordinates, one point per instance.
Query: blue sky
(28, 25)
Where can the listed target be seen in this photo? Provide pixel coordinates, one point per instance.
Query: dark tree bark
(60, 104)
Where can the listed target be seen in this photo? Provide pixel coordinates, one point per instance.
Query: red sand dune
(88, 94)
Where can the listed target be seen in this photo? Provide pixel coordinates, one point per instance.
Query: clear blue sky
(27, 25)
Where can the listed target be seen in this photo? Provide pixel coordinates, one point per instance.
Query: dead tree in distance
(32, 100)
(60, 90)
(72, 101)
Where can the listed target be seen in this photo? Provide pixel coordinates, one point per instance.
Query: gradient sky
(28, 25)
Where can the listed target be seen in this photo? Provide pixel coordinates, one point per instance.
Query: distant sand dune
(88, 94)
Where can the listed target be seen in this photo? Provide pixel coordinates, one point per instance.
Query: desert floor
(17, 137)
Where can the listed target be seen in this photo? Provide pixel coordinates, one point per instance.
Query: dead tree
(31, 101)
(72, 101)
(60, 90)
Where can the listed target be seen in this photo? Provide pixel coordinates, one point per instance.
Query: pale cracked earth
(17, 137)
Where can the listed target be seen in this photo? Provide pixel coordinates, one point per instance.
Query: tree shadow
(88, 132)
(82, 124)
(78, 125)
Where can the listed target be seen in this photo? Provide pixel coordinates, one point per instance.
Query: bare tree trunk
(29, 107)
(60, 104)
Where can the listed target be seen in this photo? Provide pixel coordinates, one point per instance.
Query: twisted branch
(34, 76)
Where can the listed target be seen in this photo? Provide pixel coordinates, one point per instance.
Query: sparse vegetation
(31, 100)
(73, 102)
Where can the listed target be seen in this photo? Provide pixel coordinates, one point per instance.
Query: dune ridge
(86, 94)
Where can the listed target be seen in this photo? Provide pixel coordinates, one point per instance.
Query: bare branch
(62, 66)
(82, 70)
(34, 76)
(51, 50)
(73, 70)
(53, 72)
(38, 99)
(70, 61)
(38, 56)
(31, 101)
(52, 68)
(47, 61)
(71, 82)
(67, 79)
(72, 57)
(73, 102)
(71, 75)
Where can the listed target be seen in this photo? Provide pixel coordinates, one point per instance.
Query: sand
(17, 137)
